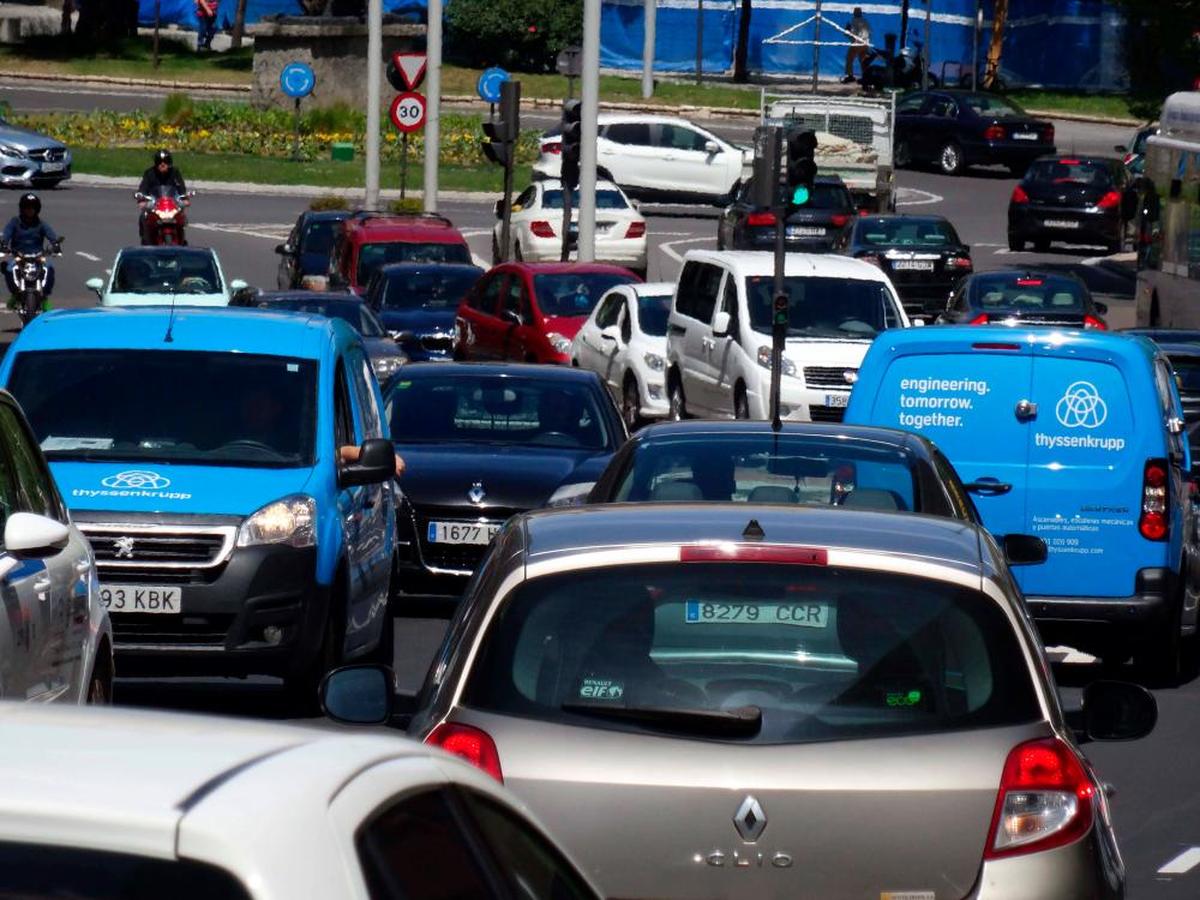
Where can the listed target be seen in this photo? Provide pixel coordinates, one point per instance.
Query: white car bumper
(799, 403)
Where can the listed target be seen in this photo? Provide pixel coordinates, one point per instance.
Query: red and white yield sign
(407, 112)
(411, 67)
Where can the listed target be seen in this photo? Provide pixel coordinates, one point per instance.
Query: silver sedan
(30, 159)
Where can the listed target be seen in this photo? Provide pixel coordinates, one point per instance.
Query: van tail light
(1111, 200)
(472, 744)
(1092, 322)
(994, 133)
(541, 229)
(636, 230)
(960, 263)
(1046, 800)
(760, 218)
(1019, 195)
(981, 319)
(552, 147)
(839, 219)
(1156, 501)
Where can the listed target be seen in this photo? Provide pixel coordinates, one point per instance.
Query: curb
(113, 80)
(280, 190)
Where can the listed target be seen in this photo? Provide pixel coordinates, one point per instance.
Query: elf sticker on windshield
(601, 689)
(1081, 409)
(938, 402)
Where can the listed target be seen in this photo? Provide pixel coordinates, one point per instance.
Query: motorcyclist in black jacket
(27, 233)
(161, 174)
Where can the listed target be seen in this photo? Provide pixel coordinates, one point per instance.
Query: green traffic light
(799, 195)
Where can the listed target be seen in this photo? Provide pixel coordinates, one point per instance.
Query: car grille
(827, 376)
(159, 554)
(437, 342)
(133, 629)
(826, 413)
(48, 154)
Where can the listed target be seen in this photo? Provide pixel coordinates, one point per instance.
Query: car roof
(746, 263)
(166, 250)
(321, 215)
(957, 338)
(651, 288)
(1089, 158)
(219, 329)
(555, 268)
(566, 532)
(562, 374)
(699, 428)
(413, 268)
(309, 296)
(426, 227)
(903, 217)
(648, 118)
(1015, 272)
(555, 184)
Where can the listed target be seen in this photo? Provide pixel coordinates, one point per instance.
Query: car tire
(517, 255)
(902, 157)
(1016, 244)
(100, 684)
(1041, 245)
(741, 403)
(676, 403)
(950, 159)
(631, 404)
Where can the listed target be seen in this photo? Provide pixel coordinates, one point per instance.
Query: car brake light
(959, 262)
(1019, 195)
(1111, 200)
(1156, 501)
(981, 319)
(760, 218)
(552, 147)
(1069, 162)
(472, 744)
(1030, 282)
(839, 219)
(1090, 321)
(765, 553)
(1046, 800)
(994, 133)
(542, 229)
(995, 346)
(636, 230)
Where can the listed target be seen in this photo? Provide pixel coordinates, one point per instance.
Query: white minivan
(719, 333)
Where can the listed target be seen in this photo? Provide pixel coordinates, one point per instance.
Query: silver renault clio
(750, 701)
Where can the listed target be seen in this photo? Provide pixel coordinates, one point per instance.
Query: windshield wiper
(745, 721)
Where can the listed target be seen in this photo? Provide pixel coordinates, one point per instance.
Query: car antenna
(753, 531)
(167, 338)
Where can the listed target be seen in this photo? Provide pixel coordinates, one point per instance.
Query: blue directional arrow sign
(297, 79)
(489, 83)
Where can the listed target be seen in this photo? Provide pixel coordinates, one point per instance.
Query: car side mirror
(720, 324)
(1023, 549)
(636, 204)
(917, 323)
(376, 464)
(238, 285)
(1101, 308)
(712, 148)
(30, 535)
(95, 284)
(1114, 711)
(358, 695)
(512, 317)
(283, 249)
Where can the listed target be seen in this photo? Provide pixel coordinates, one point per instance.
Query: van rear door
(1087, 453)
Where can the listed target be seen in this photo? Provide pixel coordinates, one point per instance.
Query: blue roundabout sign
(297, 79)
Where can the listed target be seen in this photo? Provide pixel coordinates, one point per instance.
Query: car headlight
(290, 520)
(764, 360)
(387, 366)
(654, 362)
(571, 494)
(10, 150)
(559, 343)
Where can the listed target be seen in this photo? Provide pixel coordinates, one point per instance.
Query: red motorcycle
(164, 216)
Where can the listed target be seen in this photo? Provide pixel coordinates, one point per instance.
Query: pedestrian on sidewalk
(860, 28)
(206, 15)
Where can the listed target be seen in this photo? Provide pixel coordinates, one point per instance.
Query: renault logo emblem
(123, 548)
(750, 820)
(476, 493)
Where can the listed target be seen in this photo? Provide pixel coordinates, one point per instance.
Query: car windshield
(372, 256)
(429, 289)
(318, 236)
(495, 409)
(351, 311)
(798, 653)
(164, 272)
(653, 312)
(206, 408)
(924, 233)
(1028, 293)
(574, 293)
(768, 468)
(1072, 171)
(824, 307)
(993, 105)
(553, 199)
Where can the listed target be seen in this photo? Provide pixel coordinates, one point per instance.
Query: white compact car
(56, 639)
(658, 158)
(161, 276)
(624, 341)
(719, 335)
(537, 222)
(135, 804)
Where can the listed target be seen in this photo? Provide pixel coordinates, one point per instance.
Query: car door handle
(1025, 410)
(42, 587)
(988, 486)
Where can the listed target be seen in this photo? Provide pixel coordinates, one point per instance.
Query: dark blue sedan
(306, 251)
(417, 303)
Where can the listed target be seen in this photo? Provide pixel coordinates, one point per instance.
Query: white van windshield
(824, 307)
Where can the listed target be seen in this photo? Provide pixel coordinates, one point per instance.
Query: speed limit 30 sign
(407, 112)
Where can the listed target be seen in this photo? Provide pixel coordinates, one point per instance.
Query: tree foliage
(523, 35)
(1162, 45)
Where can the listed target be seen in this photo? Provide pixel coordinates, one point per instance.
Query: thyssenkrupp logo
(137, 480)
(1081, 406)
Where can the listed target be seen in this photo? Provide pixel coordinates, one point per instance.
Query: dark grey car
(734, 700)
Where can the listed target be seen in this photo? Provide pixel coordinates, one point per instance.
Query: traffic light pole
(589, 94)
(433, 104)
(510, 113)
(779, 315)
(374, 77)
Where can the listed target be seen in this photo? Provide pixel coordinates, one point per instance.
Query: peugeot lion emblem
(123, 548)
(476, 493)
(750, 820)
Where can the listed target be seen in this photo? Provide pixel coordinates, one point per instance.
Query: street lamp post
(649, 17)
(433, 102)
(374, 73)
(590, 97)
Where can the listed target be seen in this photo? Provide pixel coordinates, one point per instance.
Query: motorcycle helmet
(163, 156)
(30, 201)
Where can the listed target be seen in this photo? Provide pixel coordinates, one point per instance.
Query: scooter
(901, 71)
(165, 217)
(29, 272)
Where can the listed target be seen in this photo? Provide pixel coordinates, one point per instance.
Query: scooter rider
(161, 174)
(27, 233)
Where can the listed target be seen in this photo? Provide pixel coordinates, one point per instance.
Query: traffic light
(801, 168)
(572, 132)
(502, 133)
(765, 182)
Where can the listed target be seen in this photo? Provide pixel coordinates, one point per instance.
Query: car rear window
(1072, 171)
(1029, 293)
(553, 199)
(372, 256)
(906, 233)
(574, 293)
(992, 105)
(821, 653)
(766, 468)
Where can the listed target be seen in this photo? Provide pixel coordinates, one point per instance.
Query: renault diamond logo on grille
(476, 493)
(750, 820)
(123, 548)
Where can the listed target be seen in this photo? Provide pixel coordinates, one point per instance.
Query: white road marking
(1069, 656)
(666, 248)
(929, 197)
(1183, 863)
(87, 256)
(270, 231)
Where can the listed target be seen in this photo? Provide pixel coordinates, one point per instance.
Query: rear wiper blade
(745, 721)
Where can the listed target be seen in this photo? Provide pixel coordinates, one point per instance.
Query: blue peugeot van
(200, 453)
(1075, 437)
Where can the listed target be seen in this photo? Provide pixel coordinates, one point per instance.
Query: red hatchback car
(367, 240)
(530, 311)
